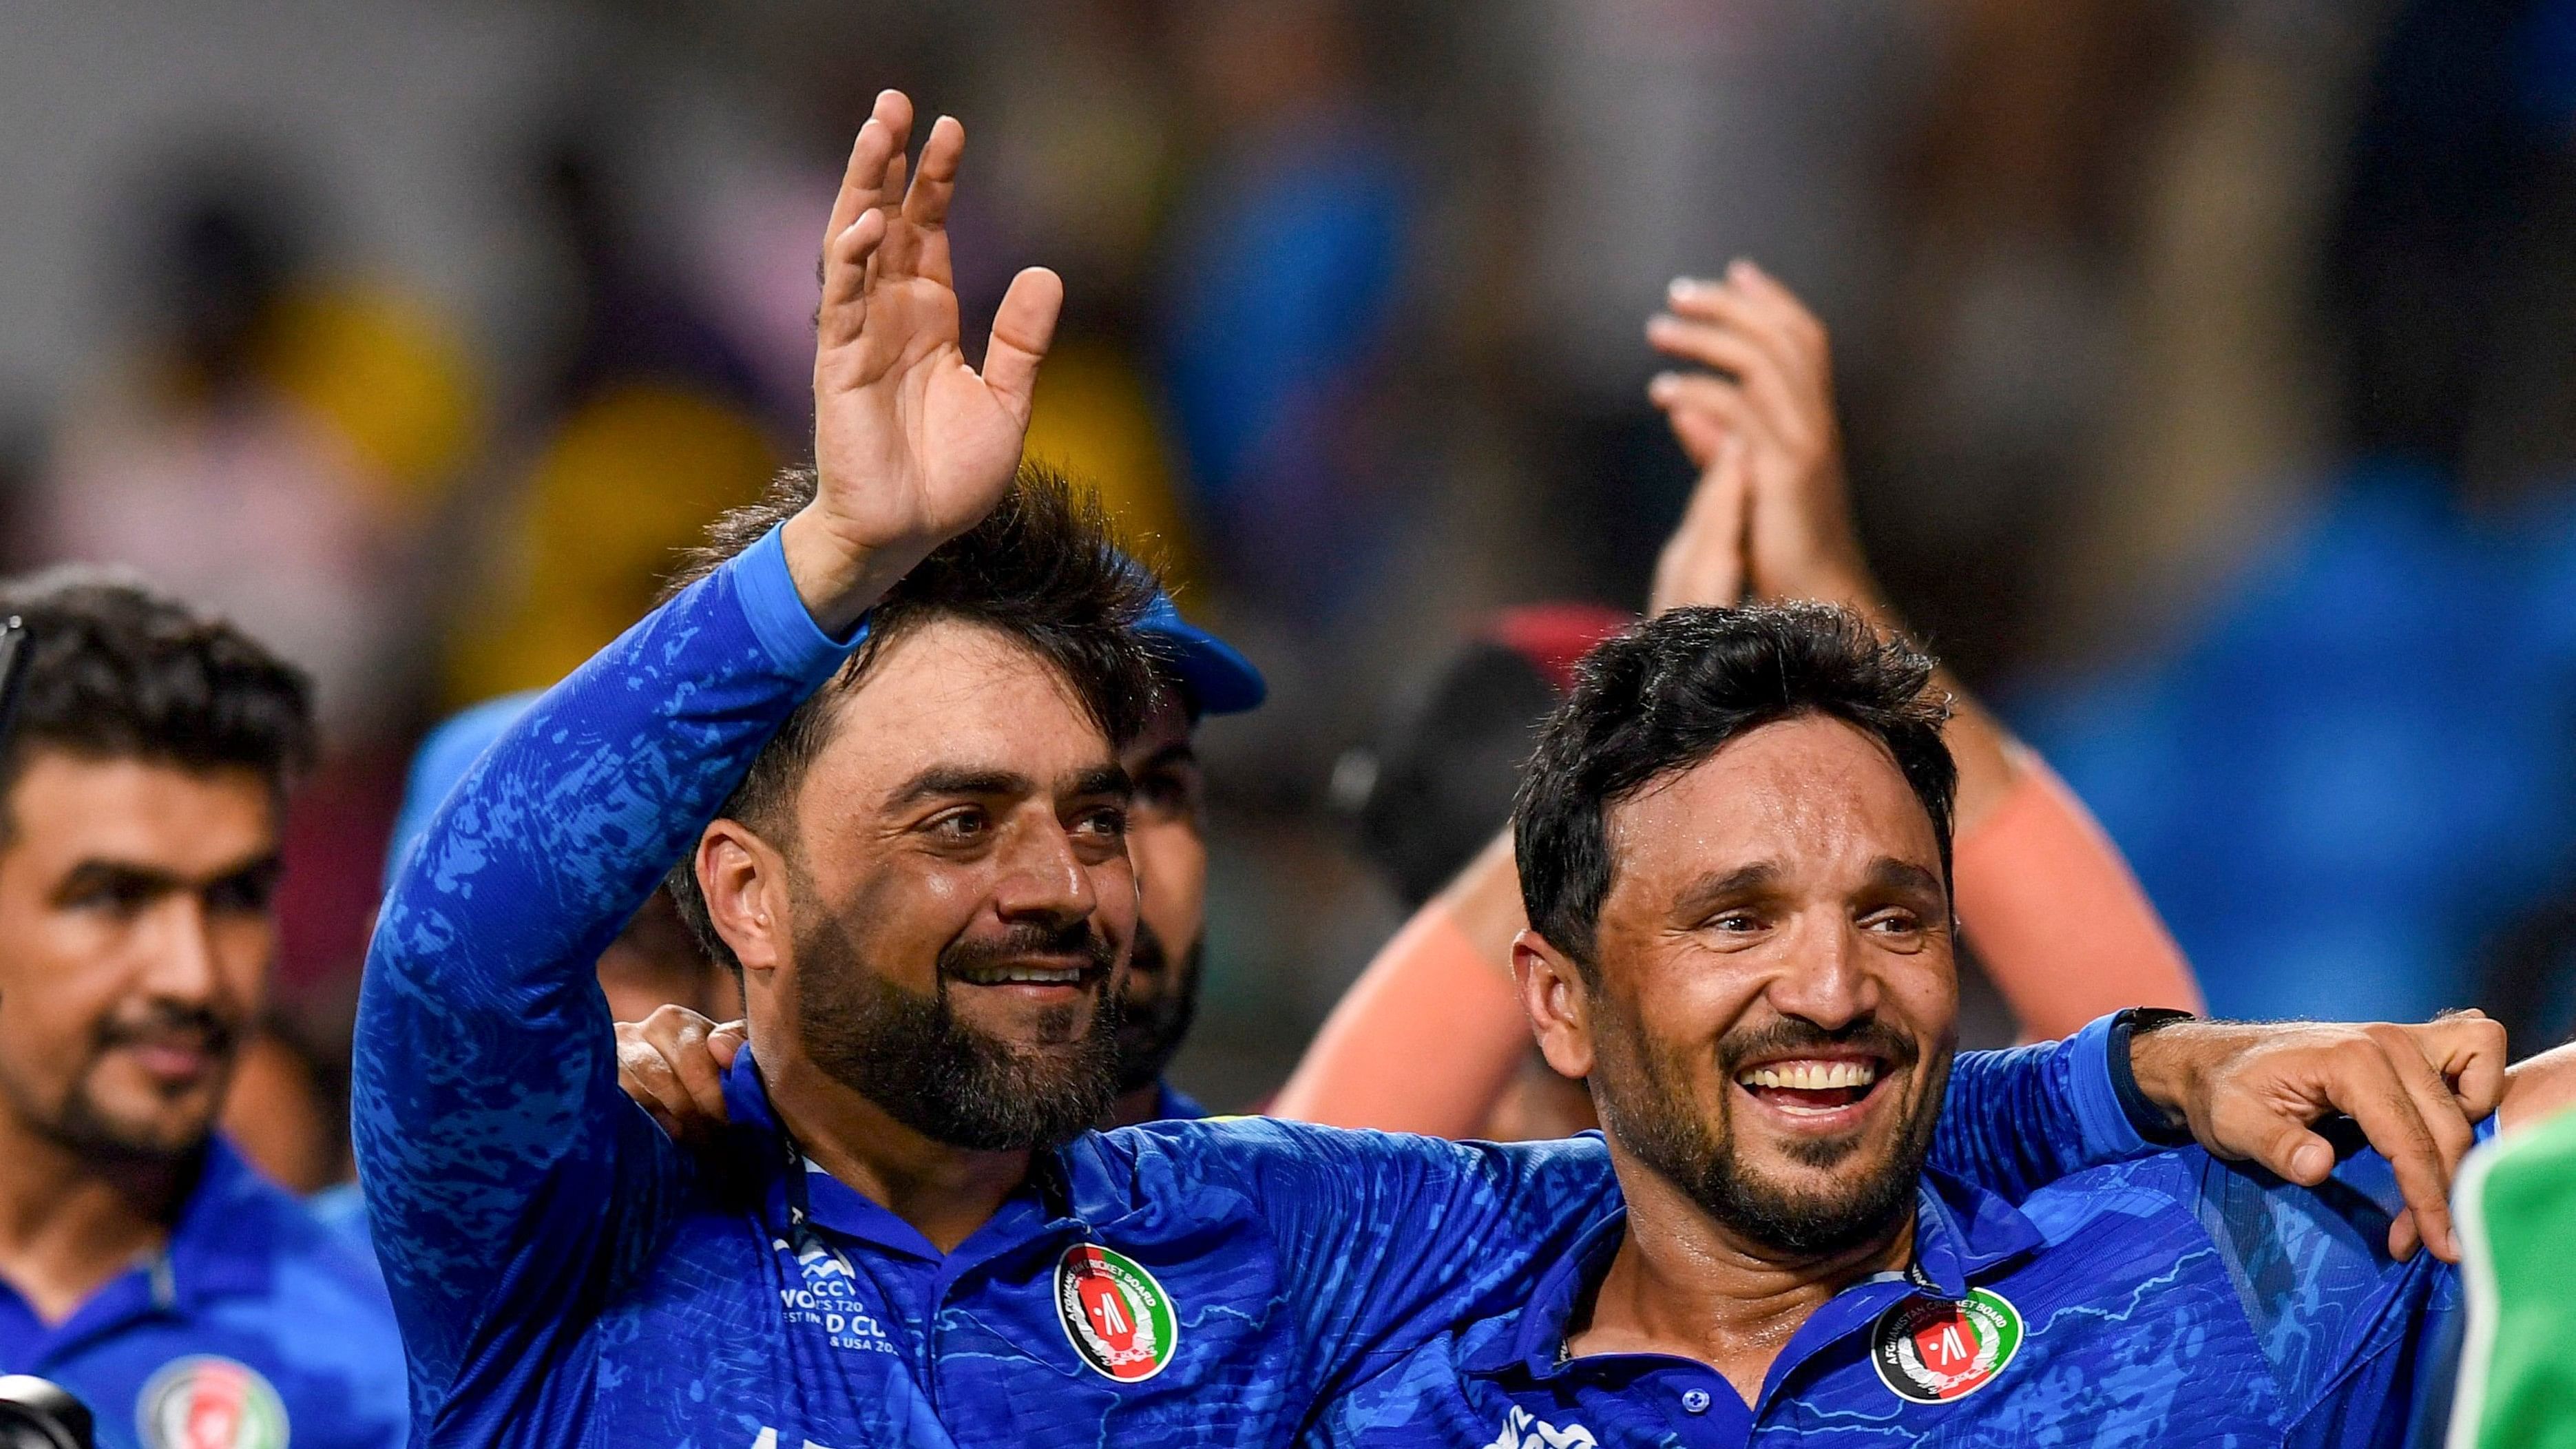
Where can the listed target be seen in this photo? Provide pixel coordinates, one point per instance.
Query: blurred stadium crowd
(2204, 368)
(2192, 352)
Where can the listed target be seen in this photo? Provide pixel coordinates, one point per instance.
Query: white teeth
(1025, 977)
(1812, 1076)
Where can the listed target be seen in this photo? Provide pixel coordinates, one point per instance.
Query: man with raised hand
(1734, 847)
(881, 731)
(673, 1060)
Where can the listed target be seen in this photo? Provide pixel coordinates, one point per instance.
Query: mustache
(977, 958)
(1792, 1036)
(214, 1031)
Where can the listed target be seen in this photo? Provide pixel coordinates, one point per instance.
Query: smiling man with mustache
(143, 1263)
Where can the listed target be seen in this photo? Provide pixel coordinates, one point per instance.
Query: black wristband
(2154, 1124)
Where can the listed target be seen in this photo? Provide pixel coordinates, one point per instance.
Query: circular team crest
(205, 1402)
(1117, 1316)
(1935, 1350)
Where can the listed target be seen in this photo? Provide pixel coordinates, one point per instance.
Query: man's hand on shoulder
(673, 1064)
(2256, 1091)
(911, 445)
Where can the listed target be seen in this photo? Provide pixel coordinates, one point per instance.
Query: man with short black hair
(1734, 852)
(146, 1266)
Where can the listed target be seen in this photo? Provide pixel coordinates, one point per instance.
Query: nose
(182, 964)
(1826, 980)
(1045, 880)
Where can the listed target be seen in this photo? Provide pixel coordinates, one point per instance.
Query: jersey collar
(225, 1242)
(1961, 1232)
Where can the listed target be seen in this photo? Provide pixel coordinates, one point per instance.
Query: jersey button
(1695, 1400)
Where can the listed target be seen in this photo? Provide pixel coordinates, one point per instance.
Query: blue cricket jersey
(565, 1275)
(254, 1325)
(2172, 1300)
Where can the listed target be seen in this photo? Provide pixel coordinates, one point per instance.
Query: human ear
(744, 881)
(1559, 1004)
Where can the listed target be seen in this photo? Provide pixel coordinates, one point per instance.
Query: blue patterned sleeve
(2016, 1121)
(1382, 1240)
(508, 1179)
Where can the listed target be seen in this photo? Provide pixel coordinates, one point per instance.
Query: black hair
(1668, 693)
(1043, 568)
(115, 671)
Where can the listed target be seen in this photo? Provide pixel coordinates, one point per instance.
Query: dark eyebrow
(94, 873)
(91, 875)
(1105, 780)
(1741, 881)
(1175, 753)
(1891, 874)
(949, 781)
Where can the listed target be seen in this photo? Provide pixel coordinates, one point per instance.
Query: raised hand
(1770, 389)
(911, 445)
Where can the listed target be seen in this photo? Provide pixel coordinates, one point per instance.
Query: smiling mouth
(1813, 1086)
(1030, 973)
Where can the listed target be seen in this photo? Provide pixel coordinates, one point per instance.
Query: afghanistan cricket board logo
(1117, 1316)
(1936, 1350)
(206, 1402)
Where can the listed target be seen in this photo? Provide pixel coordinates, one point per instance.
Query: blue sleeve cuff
(795, 643)
(2109, 1134)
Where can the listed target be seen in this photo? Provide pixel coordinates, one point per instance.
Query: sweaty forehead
(1813, 796)
(954, 694)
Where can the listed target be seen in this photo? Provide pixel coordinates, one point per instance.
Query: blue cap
(1218, 679)
(440, 764)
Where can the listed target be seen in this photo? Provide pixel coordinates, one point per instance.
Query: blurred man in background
(142, 1263)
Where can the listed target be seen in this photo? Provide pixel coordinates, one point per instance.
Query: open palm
(911, 445)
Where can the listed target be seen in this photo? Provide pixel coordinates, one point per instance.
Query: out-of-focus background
(2209, 368)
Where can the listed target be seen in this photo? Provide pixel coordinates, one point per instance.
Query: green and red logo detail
(1117, 1316)
(205, 1402)
(1936, 1350)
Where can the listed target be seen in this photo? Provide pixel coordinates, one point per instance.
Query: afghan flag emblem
(1936, 1350)
(1117, 1317)
(205, 1402)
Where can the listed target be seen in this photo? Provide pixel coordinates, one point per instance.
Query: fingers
(2403, 1240)
(845, 280)
(1022, 329)
(1783, 333)
(700, 1075)
(1703, 562)
(2369, 1089)
(726, 1042)
(864, 184)
(918, 230)
(2468, 1050)
(644, 1074)
(1746, 366)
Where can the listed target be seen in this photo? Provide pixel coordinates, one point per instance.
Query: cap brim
(1219, 679)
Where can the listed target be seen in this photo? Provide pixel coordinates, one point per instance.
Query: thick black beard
(951, 1082)
(1641, 1107)
(1150, 1032)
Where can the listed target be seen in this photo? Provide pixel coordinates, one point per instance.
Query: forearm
(2537, 1089)
(2061, 925)
(1429, 1037)
(485, 1073)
